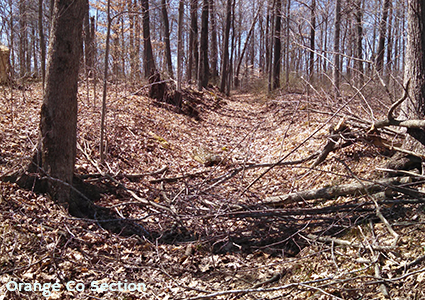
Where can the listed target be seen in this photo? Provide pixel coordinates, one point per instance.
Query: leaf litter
(224, 242)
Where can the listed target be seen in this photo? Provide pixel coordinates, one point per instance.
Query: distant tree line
(225, 43)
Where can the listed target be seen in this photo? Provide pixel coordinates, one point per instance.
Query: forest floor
(185, 229)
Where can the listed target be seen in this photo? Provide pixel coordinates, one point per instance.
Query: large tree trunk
(164, 5)
(148, 60)
(414, 107)
(58, 120)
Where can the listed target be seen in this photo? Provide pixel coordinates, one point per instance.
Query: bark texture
(414, 107)
(58, 122)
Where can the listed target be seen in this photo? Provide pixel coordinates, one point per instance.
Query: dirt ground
(182, 202)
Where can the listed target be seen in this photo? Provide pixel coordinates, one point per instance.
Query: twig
(122, 175)
(347, 243)
(412, 263)
(235, 171)
(382, 287)
(24, 267)
(260, 290)
(176, 178)
(377, 207)
(133, 194)
(305, 140)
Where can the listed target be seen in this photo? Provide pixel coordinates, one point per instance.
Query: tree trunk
(225, 57)
(167, 38)
(23, 41)
(203, 50)
(312, 39)
(389, 45)
(58, 117)
(148, 59)
(133, 64)
(288, 19)
(336, 69)
(102, 149)
(277, 61)
(42, 41)
(192, 67)
(414, 107)
(214, 52)
(359, 43)
(382, 36)
(180, 47)
(248, 38)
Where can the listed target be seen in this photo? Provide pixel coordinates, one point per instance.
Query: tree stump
(4, 64)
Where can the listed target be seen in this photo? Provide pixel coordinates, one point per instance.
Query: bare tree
(312, 38)
(277, 58)
(180, 46)
(164, 5)
(23, 38)
(148, 59)
(42, 41)
(58, 117)
(358, 15)
(336, 62)
(225, 56)
(382, 36)
(203, 69)
(192, 67)
(214, 50)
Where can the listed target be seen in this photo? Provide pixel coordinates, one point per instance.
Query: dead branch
(390, 120)
(176, 178)
(407, 266)
(305, 284)
(335, 141)
(335, 191)
(378, 214)
(128, 176)
(235, 171)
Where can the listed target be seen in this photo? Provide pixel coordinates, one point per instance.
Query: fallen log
(335, 191)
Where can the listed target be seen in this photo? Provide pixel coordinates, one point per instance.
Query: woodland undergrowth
(187, 194)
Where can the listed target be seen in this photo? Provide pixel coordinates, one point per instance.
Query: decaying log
(335, 191)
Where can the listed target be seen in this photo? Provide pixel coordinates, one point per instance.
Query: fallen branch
(390, 120)
(335, 141)
(305, 284)
(335, 191)
(340, 242)
(128, 176)
(235, 171)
